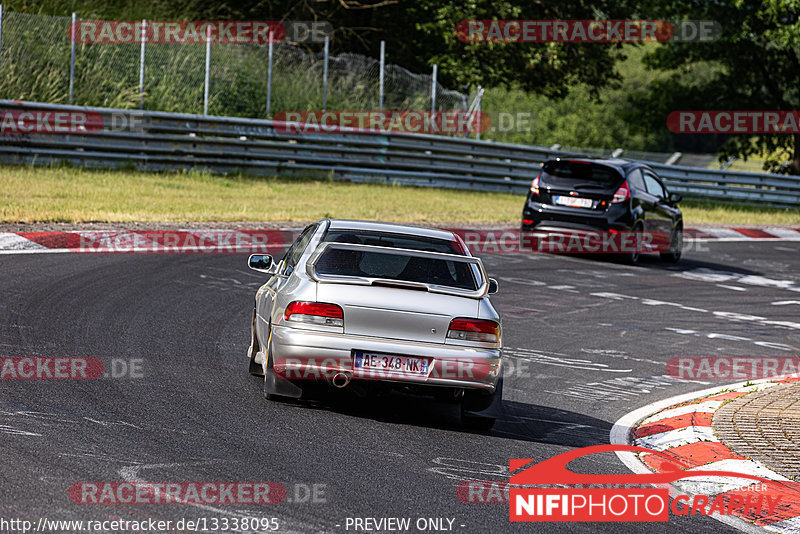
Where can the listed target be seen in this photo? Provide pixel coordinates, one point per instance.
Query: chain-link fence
(35, 57)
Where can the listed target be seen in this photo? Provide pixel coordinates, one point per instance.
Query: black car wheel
(632, 258)
(673, 254)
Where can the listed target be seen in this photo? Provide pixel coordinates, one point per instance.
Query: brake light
(315, 313)
(474, 330)
(622, 194)
(535, 184)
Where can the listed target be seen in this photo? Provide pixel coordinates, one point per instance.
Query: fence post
(380, 76)
(433, 90)
(325, 75)
(480, 101)
(269, 75)
(141, 65)
(433, 95)
(208, 67)
(1, 30)
(72, 58)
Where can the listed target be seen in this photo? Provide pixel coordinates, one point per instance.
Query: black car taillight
(535, 184)
(622, 194)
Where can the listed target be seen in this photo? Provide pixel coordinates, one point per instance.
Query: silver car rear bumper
(302, 354)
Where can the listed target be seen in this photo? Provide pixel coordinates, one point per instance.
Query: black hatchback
(608, 195)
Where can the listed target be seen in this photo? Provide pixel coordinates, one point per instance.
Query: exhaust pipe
(340, 380)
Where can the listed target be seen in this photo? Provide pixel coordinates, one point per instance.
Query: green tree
(753, 65)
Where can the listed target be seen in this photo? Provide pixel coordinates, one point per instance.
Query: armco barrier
(173, 141)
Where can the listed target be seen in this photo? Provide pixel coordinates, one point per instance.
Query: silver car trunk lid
(397, 293)
(396, 313)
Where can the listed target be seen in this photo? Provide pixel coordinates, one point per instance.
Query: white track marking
(788, 526)
(675, 438)
(622, 388)
(559, 360)
(787, 234)
(131, 474)
(726, 233)
(735, 288)
(16, 243)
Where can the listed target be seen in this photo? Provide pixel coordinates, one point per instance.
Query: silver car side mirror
(261, 263)
(493, 287)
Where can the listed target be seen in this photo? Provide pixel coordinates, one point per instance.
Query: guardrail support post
(141, 64)
(208, 68)
(674, 158)
(72, 57)
(325, 74)
(380, 76)
(269, 75)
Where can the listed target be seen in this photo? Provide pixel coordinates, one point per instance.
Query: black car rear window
(583, 171)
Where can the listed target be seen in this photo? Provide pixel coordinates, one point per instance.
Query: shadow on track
(518, 421)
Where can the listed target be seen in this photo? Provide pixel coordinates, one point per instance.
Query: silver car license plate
(377, 363)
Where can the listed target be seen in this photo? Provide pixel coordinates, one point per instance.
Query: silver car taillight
(319, 313)
(466, 329)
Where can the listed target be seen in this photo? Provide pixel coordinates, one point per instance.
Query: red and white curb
(743, 234)
(256, 240)
(681, 428)
(147, 241)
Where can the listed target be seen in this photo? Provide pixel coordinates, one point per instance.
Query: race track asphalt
(586, 338)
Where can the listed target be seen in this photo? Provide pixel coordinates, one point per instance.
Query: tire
(673, 255)
(475, 422)
(267, 371)
(476, 403)
(254, 369)
(275, 387)
(632, 258)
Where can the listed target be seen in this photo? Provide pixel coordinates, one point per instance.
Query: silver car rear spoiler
(476, 263)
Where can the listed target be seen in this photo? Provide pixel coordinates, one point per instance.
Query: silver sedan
(371, 306)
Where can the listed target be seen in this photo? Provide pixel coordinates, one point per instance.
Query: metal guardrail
(171, 141)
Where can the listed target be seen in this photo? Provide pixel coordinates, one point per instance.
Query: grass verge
(62, 194)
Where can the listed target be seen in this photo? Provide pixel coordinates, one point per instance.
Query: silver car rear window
(386, 239)
(401, 267)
